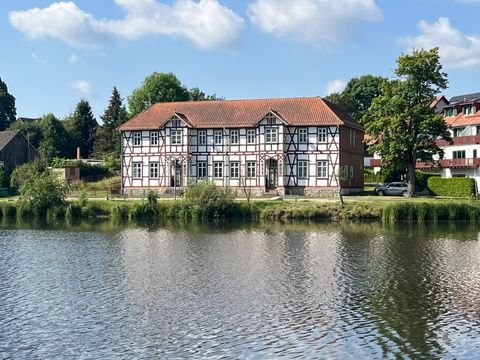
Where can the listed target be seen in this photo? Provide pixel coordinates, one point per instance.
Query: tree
(82, 127)
(158, 87)
(56, 140)
(107, 139)
(401, 118)
(7, 107)
(31, 130)
(195, 94)
(358, 94)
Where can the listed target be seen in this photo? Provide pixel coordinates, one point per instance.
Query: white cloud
(206, 23)
(323, 23)
(457, 50)
(82, 86)
(73, 59)
(335, 86)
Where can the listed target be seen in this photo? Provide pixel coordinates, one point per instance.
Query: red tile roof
(463, 120)
(312, 111)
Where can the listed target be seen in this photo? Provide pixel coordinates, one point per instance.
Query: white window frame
(322, 135)
(450, 112)
(302, 169)
(218, 137)
(154, 170)
(154, 138)
(271, 135)
(322, 169)
(251, 169)
(202, 137)
(469, 110)
(137, 138)
(251, 136)
(234, 170)
(303, 135)
(234, 137)
(218, 169)
(137, 170)
(202, 170)
(176, 137)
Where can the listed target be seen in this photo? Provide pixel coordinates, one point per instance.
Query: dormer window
(458, 131)
(469, 109)
(450, 112)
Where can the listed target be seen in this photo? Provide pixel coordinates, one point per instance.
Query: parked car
(393, 188)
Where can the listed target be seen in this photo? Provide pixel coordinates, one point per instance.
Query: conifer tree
(7, 107)
(83, 128)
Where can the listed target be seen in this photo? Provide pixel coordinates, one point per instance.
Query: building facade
(15, 150)
(303, 146)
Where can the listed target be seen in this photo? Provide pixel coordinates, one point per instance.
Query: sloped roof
(305, 111)
(464, 120)
(465, 98)
(6, 137)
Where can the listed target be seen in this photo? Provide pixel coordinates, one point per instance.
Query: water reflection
(239, 290)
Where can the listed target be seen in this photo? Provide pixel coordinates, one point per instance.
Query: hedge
(421, 179)
(454, 187)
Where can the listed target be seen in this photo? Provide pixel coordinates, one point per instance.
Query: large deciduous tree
(82, 126)
(158, 87)
(7, 107)
(56, 140)
(107, 139)
(400, 118)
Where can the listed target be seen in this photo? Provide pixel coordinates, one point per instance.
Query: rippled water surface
(240, 291)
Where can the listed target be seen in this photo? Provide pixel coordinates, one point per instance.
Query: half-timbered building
(303, 146)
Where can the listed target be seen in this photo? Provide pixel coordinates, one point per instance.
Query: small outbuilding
(15, 150)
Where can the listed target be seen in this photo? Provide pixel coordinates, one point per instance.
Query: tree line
(54, 137)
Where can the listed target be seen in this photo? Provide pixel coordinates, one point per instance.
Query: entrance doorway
(176, 178)
(272, 174)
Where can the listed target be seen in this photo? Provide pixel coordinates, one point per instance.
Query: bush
(370, 177)
(205, 200)
(453, 187)
(421, 179)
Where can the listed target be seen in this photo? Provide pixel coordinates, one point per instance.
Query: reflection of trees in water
(396, 278)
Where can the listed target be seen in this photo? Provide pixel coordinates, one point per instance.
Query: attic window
(469, 109)
(450, 112)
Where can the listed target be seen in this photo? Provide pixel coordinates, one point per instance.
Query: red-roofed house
(283, 146)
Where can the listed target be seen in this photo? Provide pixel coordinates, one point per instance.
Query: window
(474, 153)
(137, 170)
(218, 170)
(154, 170)
(217, 137)
(302, 167)
(202, 137)
(176, 137)
(154, 138)
(234, 137)
(460, 154)
(350, 172)
(450, 112)
(322, 169)
(137, 139)
(458, 131)
(234, 170)
(270, 135)
(352, 138)
(302, 136)
(202, 170)
(251, 169)
(469, 110)
(322, 135)
(250, 136)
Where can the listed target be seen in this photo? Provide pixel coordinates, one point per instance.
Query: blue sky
(55, 53)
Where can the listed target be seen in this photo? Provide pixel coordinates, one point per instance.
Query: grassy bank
(270, 211)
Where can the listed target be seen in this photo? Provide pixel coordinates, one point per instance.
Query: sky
(54, 53)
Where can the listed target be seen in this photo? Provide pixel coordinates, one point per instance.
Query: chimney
(78, 152)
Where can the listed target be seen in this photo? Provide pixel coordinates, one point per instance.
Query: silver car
(394, 188)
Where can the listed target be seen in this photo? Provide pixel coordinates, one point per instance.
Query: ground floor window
(154, 170)
(137, 170)
(202, 170)
(302, 169)
(218, 170)
(460, 154)
(234, 170)
(322, 169)
(251, 169)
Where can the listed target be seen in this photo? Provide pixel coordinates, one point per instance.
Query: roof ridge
(237, 100)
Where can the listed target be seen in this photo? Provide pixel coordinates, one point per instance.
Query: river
(239, 291)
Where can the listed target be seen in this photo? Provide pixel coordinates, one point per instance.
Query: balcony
(421, 165)
(461, 140)
(460, 163)
(376, 162)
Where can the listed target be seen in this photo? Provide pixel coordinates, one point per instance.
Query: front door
(176, 177)
(272, 174)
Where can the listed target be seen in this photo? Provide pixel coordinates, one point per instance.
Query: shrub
(205, 200)
(421, 179)
(370, 177)
(453, 187)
